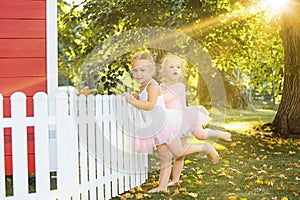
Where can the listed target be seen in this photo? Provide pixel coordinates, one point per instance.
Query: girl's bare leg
(177, 166)
(165, 169)
(181, 151)
(202, 134)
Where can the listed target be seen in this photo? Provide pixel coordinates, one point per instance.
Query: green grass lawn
(254, 165)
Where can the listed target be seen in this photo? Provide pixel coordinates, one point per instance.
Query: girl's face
(142, 71)
(173, 70)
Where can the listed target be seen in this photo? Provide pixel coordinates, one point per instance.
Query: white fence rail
(94, 154)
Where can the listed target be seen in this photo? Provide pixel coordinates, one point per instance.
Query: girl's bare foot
(224, 136)
(212, 153)
(174, 183)
(158, 189)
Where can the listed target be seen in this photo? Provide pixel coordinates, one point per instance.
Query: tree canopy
(241, 38)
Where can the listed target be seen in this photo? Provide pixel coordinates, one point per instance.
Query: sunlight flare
(238, 126)
(274, 5)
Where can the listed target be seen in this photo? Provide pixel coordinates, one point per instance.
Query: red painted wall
(22, 61)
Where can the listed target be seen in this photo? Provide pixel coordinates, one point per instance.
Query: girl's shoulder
(153, 87)
(153, 84)
(153, 81)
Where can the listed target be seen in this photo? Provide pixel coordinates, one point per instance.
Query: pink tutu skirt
(160, 126)
(192, 117)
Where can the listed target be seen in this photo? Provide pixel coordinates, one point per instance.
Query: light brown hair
(143, 55)
(169, 56)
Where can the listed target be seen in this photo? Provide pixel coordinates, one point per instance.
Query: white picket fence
(94, 154)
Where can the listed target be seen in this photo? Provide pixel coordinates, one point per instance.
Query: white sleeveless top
(160, 124)
(144, 95)
(160, 105)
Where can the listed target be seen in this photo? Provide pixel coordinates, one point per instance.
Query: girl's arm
(153, 92)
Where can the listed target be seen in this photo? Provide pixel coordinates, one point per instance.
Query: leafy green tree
(245, 44)
(236, 38)
(70, 48)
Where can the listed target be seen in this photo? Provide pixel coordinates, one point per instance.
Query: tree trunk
(287, 119)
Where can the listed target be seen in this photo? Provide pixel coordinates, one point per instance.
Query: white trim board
(52, 54)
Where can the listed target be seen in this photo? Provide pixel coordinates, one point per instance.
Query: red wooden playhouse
(28, 60)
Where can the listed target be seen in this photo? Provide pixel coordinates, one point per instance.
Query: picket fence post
(19, 145)
(127, 144)
(120, 136)
(113, 143)
(100, 145)
(81, 121)
(107, 152)
(41, 145)
(66, 148)
(91, 144)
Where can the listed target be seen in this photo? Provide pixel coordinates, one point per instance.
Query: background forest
(241, 37)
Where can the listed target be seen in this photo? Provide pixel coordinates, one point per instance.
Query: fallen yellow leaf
(132, 190)
(249, 178)
(192, 194)
(259, 181)
(232, 183)
(128, 195)
(139, 196)
(139, 189)
(176, 191)
(123, 198)
(233, 144)
(283, 176)
(260, 144)
(232, 198)
(273, 180)
(187, 162)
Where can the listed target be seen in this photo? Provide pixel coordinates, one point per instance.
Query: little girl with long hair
(161, 125)
(194, 118)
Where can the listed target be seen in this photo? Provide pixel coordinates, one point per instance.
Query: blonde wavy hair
(166, 60)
